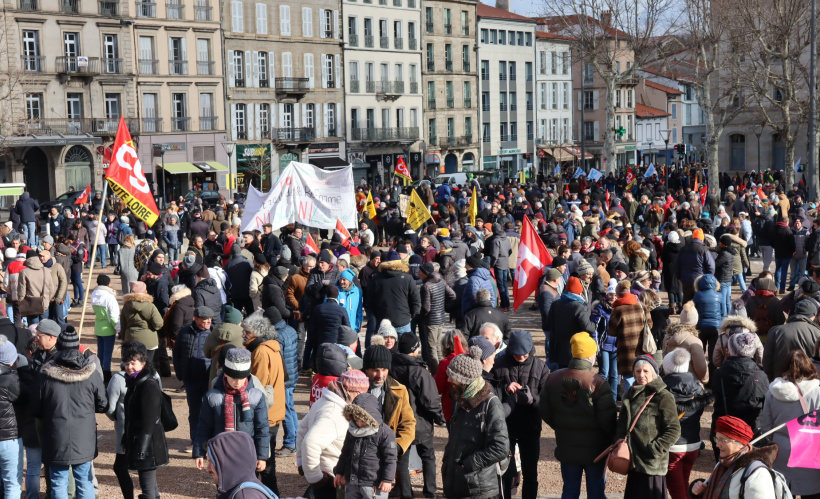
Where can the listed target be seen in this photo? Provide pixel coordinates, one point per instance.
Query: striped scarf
(230, 420)
(473, 388)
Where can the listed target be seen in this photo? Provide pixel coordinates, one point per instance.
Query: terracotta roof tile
(662, 88)
(642, 111)
(487, 12)
(553, 36)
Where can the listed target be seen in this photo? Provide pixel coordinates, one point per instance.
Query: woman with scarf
(144, 442)
(738, 463)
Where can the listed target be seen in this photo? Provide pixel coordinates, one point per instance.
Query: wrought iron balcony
(448, 65)
(386, 134)
(152, 125)
(146, 9)
(70, 6)
(485, 107)
(429, 27)
(368, 41)
(431, 65)
(33, 63)
(205, 67)
(29, 4)
(390, 87)
(396, 3)
(78, 65)
(148, 66)
(174, 10)
(431, 103)
(513, 107)
(203, 12)
(465, 30)
(468, 102)
(451, 103)
(79, 126)
(413, 44)
(462, 141)
(398, 43)
(384, 42)
(292, 85)
(448, 29)
(208, 123)
(304, 134)
(178, 67)
(353, 40)
(414, 87)
(411, 4)
(181, 123)
(109, 8)
(112, 66)
(354, 86)
(465, 66)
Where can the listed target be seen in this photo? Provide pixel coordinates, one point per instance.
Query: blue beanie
(392, 256)
(349, 275)
(520, 342)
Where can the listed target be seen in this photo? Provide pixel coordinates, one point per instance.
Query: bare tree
(609, 34)
(257, 167)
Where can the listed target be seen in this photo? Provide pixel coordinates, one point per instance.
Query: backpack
(761, 318)
(167, 416)
(253, 485)
(781, 487)
(121, 237)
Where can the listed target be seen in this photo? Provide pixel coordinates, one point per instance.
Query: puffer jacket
(207, 294)
(288, 340)
(68, 397)
(724, 263)
(690, 399)
(478, 441)
(140, 320)
(481, 313)
(721, 352)
(393, 294)
(783, 241)
(568, 315)
(369, 457)
(479, 278)
(10, 393)
(434, 294)
(798, 333)
(577, 403)
(523, 404)
(320, 436)
(686, 337)
(546, 297)
(739, 387)
(351, 301)
(693, 261)
(27, 208)
(190, 363)
(144, 436)
(500, 251)
(655, 432)
(253, 422)
(412, 372)
(708, 302)
(325, 321)
(273, 294)
(180, 312)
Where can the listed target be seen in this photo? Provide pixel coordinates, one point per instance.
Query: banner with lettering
(804, 435)
(305, 194)
(127, 180)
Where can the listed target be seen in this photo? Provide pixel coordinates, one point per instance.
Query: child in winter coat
(107, 321)
(367, 465)
(608, 352)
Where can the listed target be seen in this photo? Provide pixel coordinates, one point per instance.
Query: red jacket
(442, 384)
(320, 382)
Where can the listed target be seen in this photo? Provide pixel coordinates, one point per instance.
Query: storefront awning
(11, 189)
(179, 168)
(332, 161)
(576, 152)
(212, 166)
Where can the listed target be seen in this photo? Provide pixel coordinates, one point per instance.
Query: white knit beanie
(677, 361)
(689, 314)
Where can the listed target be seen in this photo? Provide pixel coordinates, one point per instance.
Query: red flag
(402, 170)
(343, 233)
(311, 244)
(127, 179)
(703, 195)
(532, 258)
(607, 199)
(84, 196)
(762, 195)
(630, 178)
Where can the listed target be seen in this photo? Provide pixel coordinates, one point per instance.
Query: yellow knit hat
(583, 346)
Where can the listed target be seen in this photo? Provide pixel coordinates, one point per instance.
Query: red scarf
(230, 421)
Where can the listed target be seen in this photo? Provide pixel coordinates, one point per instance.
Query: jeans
(680, 468)
(173, 254)
(55, 312)
(123, 477)
(34, 461)
(609, 371)
(148, 484)
(194, 392)
(77, 282)
(740, 279)
(30, 231)
(291, 422)
(363, 492)
(82, 477)
(105, 350)
(529, 447)
(768, 253)
(9, 466)
(503, 290)
(798, 266)
(268, 477)
(114, 253)
(726, 295)
(431, 346)
(572, 475)
(403, 329)
(102, 252)
(781, 272)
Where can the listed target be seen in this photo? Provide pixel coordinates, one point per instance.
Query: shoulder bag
(618, 457)
(648, 345)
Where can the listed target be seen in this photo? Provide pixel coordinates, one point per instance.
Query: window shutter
(595, 100)
(296, 116)
(287, 65)
(282, 115)
(272, 71)
(340, 123)
(231, 75)
(170, 48)
(323, 62)
(307, 22)
(324, 120)
(249, 82)
(322, 23)
(284, 19)
(262, 19)
(233, 121)
(237, 15)
(338, 59)
(255, 66)
(596, 132)
(304, 115)
(309, 72)
(580, 99)
(336, 24)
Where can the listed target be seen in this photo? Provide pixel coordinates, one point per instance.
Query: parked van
(452, 179)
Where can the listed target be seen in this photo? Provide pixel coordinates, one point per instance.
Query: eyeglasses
(723, 440)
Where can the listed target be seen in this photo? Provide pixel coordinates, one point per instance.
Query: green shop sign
(249, 153)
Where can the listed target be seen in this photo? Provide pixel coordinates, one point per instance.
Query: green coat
(223, 335)
(140, 320)
(657, 429)
(577, 403)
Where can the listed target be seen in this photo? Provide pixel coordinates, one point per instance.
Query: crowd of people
(404, 330)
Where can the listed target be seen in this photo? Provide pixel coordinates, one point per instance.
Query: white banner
(594, 175)
(305, 194)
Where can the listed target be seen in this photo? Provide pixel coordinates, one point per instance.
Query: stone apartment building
(450, 79)
(553, 89)
(284, 85)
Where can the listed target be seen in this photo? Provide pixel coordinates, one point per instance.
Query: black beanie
(408, 343)
(377, 356)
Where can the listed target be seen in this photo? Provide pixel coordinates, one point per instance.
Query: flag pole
(93, 257)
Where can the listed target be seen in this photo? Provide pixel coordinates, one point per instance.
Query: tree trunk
(609, 127)
(788, 171)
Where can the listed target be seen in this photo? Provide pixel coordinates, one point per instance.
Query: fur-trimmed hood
(69, 367)
(182, 293)
(736, 321)
(143, 297)
(397, 265)
(364, 408)
(766, 455)
(786, 391)
(679, 332)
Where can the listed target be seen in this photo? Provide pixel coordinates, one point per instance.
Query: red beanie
(574, 286)
(735, 428)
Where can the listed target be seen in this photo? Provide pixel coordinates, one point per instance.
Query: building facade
(553, 95)
(662, 99)
(652, 128)
(383, 86)
(450, 79)
(284, 93)
(506, 53)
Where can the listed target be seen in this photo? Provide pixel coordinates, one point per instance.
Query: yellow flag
(417, 212)
(473, 207)
(370, 206)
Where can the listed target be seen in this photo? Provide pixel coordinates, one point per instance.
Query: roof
(662, 88)
(553, 36)
(487, 12)
(642, 111)
(560, 23)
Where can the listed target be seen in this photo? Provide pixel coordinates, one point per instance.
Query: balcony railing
(431, 103)
(368, 41)
(485, 76)
(304, 134)
(353, 40)
(502, 76)
(390, 87)
(264, 83)
(451, 103)
(370, 86)
(109, 8)
(146, 9)
(462, 141)
(512, 76)
(513, 107)
(431, 65)
(448, 65)
(529, 106)
(203, 12)
(503, 106)
(178, 67)
(34, 63)
(465, 66)
(174, 11)
(78, 65)
(205, 67)
(398, 43)
(207, 123)
(485, 139)
(148, 66)
(413, 44)
(70, 6)
(181, 123)
(354, 86)
(465, 30)
(152, 125)
(485, 107)
(384, 42)
(112, 66)
(468, 102)
(79, 126)
(386, 134)
(382, 2)
(429, 26)
(29, 5)
(529, 76)
(297, 85)
(448, 29)
(414, 87)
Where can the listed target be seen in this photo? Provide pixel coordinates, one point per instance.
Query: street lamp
(665, 136)
(229, 148)
(758, 130)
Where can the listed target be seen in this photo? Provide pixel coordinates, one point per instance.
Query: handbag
(618, 457)
(648, 344)
(32, 305)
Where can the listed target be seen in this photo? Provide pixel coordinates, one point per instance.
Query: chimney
(606, 18)
(503, 4)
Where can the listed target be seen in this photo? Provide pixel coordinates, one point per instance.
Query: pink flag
(804, 434)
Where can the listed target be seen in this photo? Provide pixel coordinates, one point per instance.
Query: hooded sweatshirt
(233, 456)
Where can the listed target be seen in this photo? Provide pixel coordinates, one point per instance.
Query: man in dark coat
(273, 290)
(800, 332)
(239, 270)
(191, 365)
(206, 293)
(27, 209)
(483, 312)
(17, 336)
(323, 274)
(568, 315)
(325, 321)
(500, 251)
(434, 294)
(198, 227)
(522, 377)
(288, 342)
(693, 261)
(393, 294)
(157, 284)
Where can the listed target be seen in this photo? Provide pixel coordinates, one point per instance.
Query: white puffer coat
(320, 436)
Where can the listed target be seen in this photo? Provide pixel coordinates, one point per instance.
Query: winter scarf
(230, 421)
(473, 388)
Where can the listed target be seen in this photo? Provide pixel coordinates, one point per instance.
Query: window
(261, 19)
(284, 20)
(431, 129)
(238, 68)
(330, 120)
(71, 46)
(674, 135)
(617, 67)
(521, 39)
(414, 117)
(385, 117)
(431, 94)
(468, 94)
(150, 112)
(309, 71)
(502, 70)
(111, 62)
(468, 127)
(74, 106)
(688, 92)
(629, 99)
(448, 88)
(307, 22)
(589, 71)
(353, 73)
(589, 130)
(777, 94)
(207, 120)
(448, 57)
(542, 62)
(617, 99)
(629, 127)
(513, 101)
(484, 33)
(503, 132)
(112, 106)
(485, 70)
(327, 24)
(237, 23)
(528, 70)
(34, 106)
(428, 17)
(203, 56)
(502, 37)
(465, 57)
(287, 65)
(430, 57)
(310, 116)
(512, 71)
(485, 132)
(328, 71)
(240, 122)
(178, 59)
(465, 25)
(451, 127)
(485, 101)
(542, 96)
(502, 101)
(674, 112)
(588, 100)
(262, 76)
(553, 63)
(148, 63)
(31, 51)
(529, 101)
(448, 22)
(493, 36)
(566, 95)
(530, 130)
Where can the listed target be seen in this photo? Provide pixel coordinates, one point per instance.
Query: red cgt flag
(127, 179)
(312, 245)
(402, 170)
(532, 258)
(702, 194)
(84, 196)
(343, 233)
